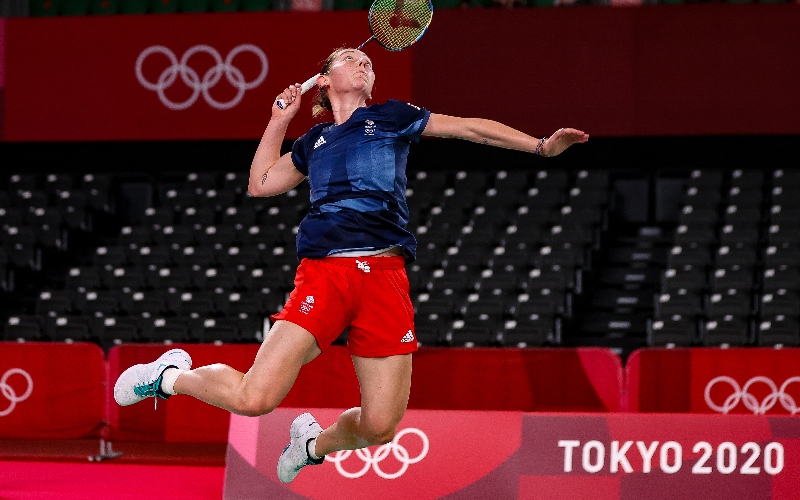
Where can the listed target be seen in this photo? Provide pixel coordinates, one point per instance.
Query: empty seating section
(499, 253)
(200, 260)
(505, 258)
(730, 273)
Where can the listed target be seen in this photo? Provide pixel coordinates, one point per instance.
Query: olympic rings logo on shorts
(399, 451)
(9, 393)
(210, 78)
(750, 402)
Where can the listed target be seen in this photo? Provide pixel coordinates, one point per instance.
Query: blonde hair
(321, 101)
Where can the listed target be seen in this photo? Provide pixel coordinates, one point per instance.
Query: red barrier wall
(471, 379)
(76, 78)
(479, 455)
(642, 71)
(50, 390)
(583, 379)
(53, 390)
(646, 71)
(709, 380)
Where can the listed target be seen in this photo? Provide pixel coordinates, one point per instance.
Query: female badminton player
(352, 246)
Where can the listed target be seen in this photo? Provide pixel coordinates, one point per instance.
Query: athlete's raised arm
(496, 134)
(270, 173)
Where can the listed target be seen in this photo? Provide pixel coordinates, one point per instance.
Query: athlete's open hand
(562, 139)
(291, 96)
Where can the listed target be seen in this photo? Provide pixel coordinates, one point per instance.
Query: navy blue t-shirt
(357, 174)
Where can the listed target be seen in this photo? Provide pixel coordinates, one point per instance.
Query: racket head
(398, 24)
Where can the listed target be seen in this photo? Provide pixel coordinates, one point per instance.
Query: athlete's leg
(385, 387)
(286, 348)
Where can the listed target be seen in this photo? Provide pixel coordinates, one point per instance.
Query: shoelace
(150, 390)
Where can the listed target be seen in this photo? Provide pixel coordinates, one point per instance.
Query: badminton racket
(395, 24)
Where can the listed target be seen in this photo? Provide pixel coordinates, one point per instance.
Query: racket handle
(307, 85)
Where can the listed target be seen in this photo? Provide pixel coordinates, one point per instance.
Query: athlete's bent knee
(254, 406)
(379, 434)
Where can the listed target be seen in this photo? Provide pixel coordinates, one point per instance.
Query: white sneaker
(143, 381)
(295, 456)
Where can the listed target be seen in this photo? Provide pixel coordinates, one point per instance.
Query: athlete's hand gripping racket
(395, 24)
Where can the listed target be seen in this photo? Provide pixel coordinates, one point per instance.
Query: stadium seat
(701, 196)
(149, 257)
(675, 330)
(736, 254)
(698, 216)
(681, 302)
(237, 218)
(732, 277)
(163, 6)
(531, 331)
(54, 302)
(194, 5)
(781, 302)
(134, 237)
(126, 279)
(115, 330)
(783, 276)
(730, 235)
(786, 254)
(145, 303)
(67, 329)
(785, 196)
(98, 187)
(134, 6)
(689, 255)
(173, 279)
(727, 330)
(510, 181)
(779, 330)
(74, 7)
(729, 302)
(427, 334)
(440, 4)
(112, 257)
(11, 216)
(24, 327)
(104, 7)
(214, 279)
(44, 8)
(736, 215)
(194, 255)
(195, 304)
(164, 330)
(695, 235)
(745, 196)
(99, 303)
(82, 279)
(469, 336)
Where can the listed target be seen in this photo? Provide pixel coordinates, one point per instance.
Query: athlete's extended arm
(271, 173)
(496, 134)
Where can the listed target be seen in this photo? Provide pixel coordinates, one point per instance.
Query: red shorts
(366, 295)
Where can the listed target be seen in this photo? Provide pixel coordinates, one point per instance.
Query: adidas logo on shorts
(408, 337)
(364, 266)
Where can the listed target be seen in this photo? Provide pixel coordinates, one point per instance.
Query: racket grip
(305, 87)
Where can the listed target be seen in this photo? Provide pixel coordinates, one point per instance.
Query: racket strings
(396, 24)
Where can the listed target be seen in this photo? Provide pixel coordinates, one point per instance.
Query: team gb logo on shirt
(369, 127)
